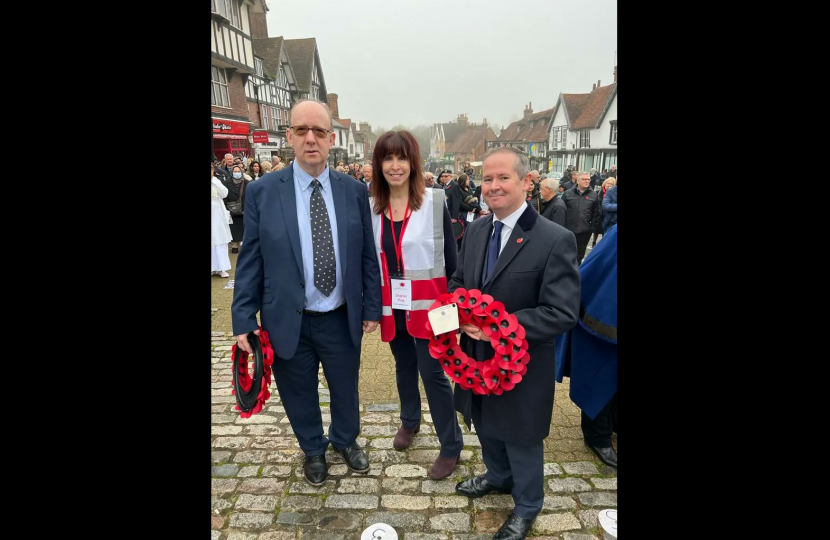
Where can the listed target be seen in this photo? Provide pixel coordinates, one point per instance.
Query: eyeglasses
(301, 131)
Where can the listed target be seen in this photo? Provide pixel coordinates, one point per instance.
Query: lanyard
(398, 244)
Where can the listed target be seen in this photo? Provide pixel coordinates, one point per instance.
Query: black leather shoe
(355, 458)
(478, 486)
(514, 528)
(605, 454)
(315, 470)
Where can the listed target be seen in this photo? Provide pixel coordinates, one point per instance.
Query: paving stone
(599, 499)
(218, 486)
(472, 537)
(567, 485)
(384, 443)
(579, 536)
(295, 518)
(589, 518)
(427, 417)
(220, 456)
(250, 456)
(214, 400)
(375, 430)
(556, 522)
(234, 443)
(265, 503)
(340, 520)
(386, 456)
(377, 418)
(216, 535)
(605, 483)
(262, 430)
(237, 535)
(406, 502)
(428, 456)
(493, 501)
(225, 430)
(380, 407)
(359, 485)
(450, 522)
(425, 536)
(472, 440)
(278, 535)
(217, 409)
(605, 470)
(304, 487)
(322, 535)
(286, 456)
(256, 419)
(552, 502)
(445, 486)
(224, 470)
(219, 504)
(222, 419)
(251, 471)
(397, 519)
(424, 441)
(580, 467)
(406, 471)
(338, 470)
(262, 486)
(301, 502)
(552, 468)
(251, 521)
(491, 520)
(400, 485)
(451, 501)
(365, 502)
(278, 409)
(271, 443)
(276, 470)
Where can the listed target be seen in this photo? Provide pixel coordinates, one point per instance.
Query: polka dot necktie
(324, 264)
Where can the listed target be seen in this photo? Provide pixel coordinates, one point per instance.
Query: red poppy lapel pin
(519, 240)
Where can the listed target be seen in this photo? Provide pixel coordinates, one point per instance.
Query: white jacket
(220, 232)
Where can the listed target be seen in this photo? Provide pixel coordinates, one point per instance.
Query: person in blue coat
(588, 353)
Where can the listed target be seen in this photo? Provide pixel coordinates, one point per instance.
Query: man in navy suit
(529, 264)
(308, 266)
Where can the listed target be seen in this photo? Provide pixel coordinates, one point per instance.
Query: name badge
(401, 294)
(444, 319)
(471, 216)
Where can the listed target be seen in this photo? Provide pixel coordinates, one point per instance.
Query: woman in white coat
(220, 232)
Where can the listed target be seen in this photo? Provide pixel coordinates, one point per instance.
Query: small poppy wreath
(508, 365)
(252, 392)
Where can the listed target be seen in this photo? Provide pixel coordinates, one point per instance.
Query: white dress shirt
(509, 224)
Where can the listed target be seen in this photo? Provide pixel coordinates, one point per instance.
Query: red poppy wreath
(252, 392)
(508, 365)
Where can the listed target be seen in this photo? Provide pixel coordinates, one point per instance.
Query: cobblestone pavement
(258, 491)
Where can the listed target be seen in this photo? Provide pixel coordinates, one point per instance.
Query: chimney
(259, 28)
(333, 106)
(593, 87)
(462, 120)
(599, 83)
(484, 124)
(528, 110)
(615, 73)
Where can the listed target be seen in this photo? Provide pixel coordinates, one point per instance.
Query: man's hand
(473, 331)
(369, 326)
(242, 342)
(453, 221)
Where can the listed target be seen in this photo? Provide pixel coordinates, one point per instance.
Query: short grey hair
(325, 106)
(593, 171)
(535, 171)
(522, 165)
(551, 183)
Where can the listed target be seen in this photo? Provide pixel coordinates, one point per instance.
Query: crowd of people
(364, 247)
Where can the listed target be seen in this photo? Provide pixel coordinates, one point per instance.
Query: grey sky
(417, 62)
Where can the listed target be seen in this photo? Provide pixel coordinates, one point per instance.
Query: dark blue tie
(493, 250)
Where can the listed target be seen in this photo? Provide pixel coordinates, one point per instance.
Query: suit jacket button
(302, 285)
(299, 312)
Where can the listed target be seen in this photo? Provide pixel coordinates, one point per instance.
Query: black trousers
(519, 468)
(323, 339)
(411, 357)
(597, 432)
(582, 245)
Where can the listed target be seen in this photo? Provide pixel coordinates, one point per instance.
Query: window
(613, 132)
(228, 9)
(263, 113)
(557, 137)
(585, 138)
(258, 66)
(315, 92)
(282, 82)
(218, 87)
(274, 118)
(351, 149)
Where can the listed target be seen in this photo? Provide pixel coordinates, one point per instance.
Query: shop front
(271, 147)
(230, 137)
